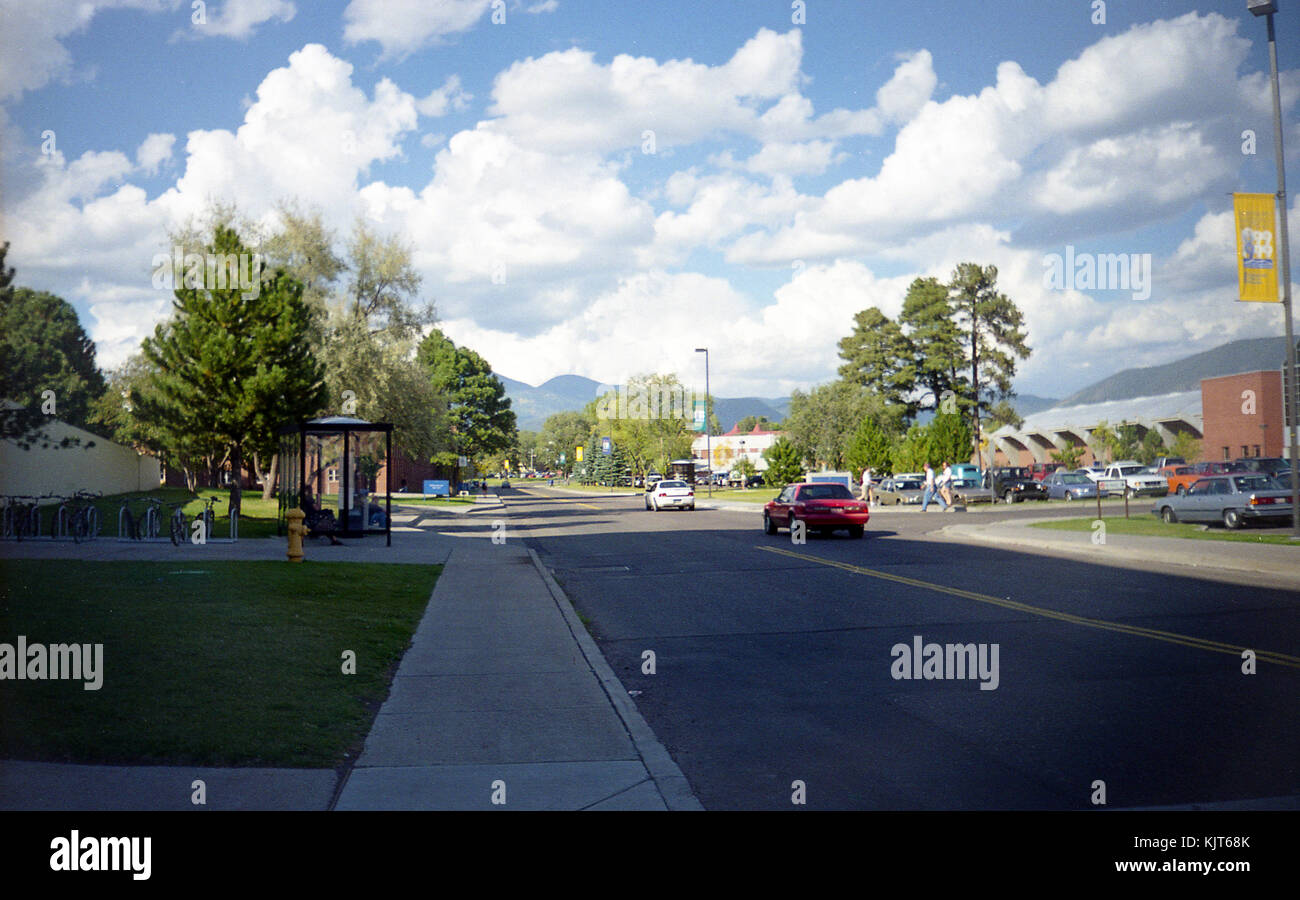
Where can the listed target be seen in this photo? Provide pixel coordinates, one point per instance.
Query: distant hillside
(1249, 355)
(566, 393)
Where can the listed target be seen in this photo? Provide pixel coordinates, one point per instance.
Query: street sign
(434, 488)
(606, 446)
(561, 459)
(578, 454)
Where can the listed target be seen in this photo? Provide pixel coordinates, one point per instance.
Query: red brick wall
(1230, 421)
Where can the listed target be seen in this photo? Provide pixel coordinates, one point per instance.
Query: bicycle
(207, 516)
(77, 516)
(22, 517)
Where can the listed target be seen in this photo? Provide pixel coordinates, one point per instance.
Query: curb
(987, 534)
(668, 778)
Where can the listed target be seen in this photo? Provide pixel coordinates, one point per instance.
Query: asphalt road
(775, 664)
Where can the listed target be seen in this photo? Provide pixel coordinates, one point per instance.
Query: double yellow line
(1169, 637)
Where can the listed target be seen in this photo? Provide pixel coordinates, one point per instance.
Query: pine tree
(231, 365)
(993, 332)
(936, 342)
(878, 356)
(784, 463)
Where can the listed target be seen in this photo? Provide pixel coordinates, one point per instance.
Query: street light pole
(708, 440)
(1268, 8)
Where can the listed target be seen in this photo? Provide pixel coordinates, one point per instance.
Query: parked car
(1039, 471)
(669, 494)
(1231, 499)
(1136, 481)
(1164, 462)
(900, 489)
(1096, 473)
(1180, 478)
(1062, 485)
(821, 506)
(969, 490)
(1269, 465)
(829, 477)
(1013, 484)
(966, 472)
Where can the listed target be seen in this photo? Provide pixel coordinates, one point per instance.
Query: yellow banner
(1254, 216)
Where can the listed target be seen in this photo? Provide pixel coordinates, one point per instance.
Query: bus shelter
(333, 463)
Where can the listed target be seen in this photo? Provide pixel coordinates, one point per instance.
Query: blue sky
(797, 171)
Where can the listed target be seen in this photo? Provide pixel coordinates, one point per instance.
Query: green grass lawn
(1146, 524)
(213, 663)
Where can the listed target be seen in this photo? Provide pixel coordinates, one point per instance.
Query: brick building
(1242, 415)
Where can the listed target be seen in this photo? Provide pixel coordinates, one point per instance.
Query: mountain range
(572, 392)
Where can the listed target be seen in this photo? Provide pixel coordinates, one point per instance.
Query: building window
(1226, 453)
(1245, 451)
(1257, 453)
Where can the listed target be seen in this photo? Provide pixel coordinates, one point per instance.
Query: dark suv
(1013, 484)
(1269, 465)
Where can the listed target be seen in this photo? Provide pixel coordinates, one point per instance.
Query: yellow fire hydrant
(297, 531)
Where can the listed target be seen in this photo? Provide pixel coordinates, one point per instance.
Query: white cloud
(545, 6)
(154, 151)
(239, 18)
(31, 48)
(403, 26)
(443, 99)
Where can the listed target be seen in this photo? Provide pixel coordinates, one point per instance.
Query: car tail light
(1264, 501)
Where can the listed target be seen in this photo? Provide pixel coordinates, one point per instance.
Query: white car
(669, 494)
(1136, 479)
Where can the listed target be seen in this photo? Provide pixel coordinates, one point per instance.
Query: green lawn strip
(212, 663)
(1153, 527)
(257, 516)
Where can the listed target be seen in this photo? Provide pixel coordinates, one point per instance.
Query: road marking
(1170, 637)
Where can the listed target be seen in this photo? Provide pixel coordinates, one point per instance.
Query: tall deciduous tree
(565, 432)
(481, 420)
(231, 364)
(784, 463)
(822, 422)
(870, 448)
(993, 333)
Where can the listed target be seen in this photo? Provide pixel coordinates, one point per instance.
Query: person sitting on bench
(319, 522)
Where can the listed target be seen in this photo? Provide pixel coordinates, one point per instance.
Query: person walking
(930, 490)
(944, 482)
(867, 487)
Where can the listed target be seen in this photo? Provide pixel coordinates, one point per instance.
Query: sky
(600, 188)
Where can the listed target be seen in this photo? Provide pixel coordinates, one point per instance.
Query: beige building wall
(106, 467)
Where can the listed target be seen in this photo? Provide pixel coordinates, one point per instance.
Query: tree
(870, 448)
(481, 421)
(1071, 457)
(384, 285)
(1150, 447)
(823, 421)
(993, 332)
(231, 365)
(563, 433)
(878, 356)
(784, 463)
(762, 423)
(744, 469)
(913, 451)
(47, 364)
(949, 438)
(1102, 440)
(1186, 446)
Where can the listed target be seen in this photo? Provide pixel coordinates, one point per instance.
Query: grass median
(213, 663)
(1153, 527)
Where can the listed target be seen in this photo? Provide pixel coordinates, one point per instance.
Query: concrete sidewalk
(1280, 564)
(501, 696)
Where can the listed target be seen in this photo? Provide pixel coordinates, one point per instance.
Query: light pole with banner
(1268, 8)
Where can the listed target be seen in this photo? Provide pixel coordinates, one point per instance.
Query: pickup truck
(1137, 480)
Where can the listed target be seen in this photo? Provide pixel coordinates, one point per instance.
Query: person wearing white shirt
(930, 492)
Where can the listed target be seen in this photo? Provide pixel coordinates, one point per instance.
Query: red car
(1039, 471)
(823, 507)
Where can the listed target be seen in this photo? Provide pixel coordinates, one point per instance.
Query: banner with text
(1256, 270)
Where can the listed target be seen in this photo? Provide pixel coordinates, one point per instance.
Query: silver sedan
(1231, 499)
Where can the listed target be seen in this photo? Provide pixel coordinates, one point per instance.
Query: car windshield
(1072, 478)
(825, 492)
(907, 485)
(1130, 470)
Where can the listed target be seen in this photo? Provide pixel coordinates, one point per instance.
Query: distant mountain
(1249, 355)
(1028, 404)
(566, 393)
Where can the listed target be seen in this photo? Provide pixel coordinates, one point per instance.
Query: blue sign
(438, 488)
(605, 446)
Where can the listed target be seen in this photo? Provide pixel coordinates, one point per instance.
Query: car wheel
(897, 501)
(1168, 515)
(1231, 519)
(1009, 497)
(856, 531)
(769, 527)
(691, 508)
